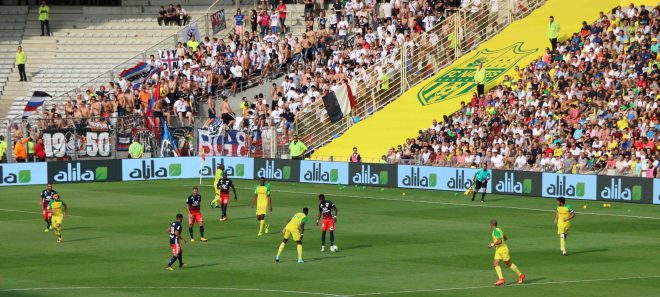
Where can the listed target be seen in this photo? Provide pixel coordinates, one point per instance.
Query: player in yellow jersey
(218, 175)
(563, 219)
(502, 254)
(58, 208)
(263, 203)
(294, 229)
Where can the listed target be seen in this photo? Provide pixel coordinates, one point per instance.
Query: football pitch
(423, 243)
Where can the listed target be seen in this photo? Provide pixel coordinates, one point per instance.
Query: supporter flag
(37, 100)
(137, 74)
(340, 102)
(169, 59)
(168, 145)
(149, 120)
(192, 30)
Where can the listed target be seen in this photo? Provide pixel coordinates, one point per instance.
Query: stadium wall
(506, 182)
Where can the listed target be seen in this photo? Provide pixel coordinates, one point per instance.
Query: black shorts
(237, 80)
(226, 117)
(158, 114)
(211, 113)
(480, 184)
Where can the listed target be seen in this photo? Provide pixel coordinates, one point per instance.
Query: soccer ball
(334, 248)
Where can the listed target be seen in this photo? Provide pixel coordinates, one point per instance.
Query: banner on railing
(436, 178)
(656, 191)
(160, 168)
(59, 143)
(573, 186)
(516, 183)
(218, 22)
(169, 60)
(622, 188)
(236, 167)
(365, 174)
(84, 171)
(215, 143)
(276, 169)
(19, 174)
(320, 172)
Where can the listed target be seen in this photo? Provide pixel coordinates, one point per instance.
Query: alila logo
(271, 171)
(510, 185)
(458, 181)
(21, 177)
(317, 173)
(459, 79)
(365, 176)
(149, 170)
(562, 188)
(238, 170)
(616, 191)
(415, 179)
(76, 174)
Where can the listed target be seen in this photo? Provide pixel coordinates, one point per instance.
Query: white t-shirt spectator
(429, 21)
(236, 71)
(342, 27)
(498, 161)
(180, 106)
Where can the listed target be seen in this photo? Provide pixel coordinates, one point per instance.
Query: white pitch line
(470, 205)
(33, 212)
(523, 285)
(170, 288)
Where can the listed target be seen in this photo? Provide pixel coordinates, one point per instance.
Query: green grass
(425, 240)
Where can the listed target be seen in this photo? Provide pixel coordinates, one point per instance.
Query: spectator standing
(3, 149)
(553, 32)
(29, 145)
(281, 8)
(44, 10)
(40, 151)
(355, 157)
(135, 151)
(238, 18)
(20, 153)
(297, 148)
(192, 43)
(21, 59)
(480, 79)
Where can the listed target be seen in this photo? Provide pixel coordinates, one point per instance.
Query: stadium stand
(589, 107)
(12, 26)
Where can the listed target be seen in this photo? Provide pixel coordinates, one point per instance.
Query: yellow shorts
(293, 232)
(56, 220)
(563, 228)
(261, 209)
(502, 253)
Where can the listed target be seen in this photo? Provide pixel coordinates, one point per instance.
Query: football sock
(224, 210)
(474, 194)
(191, 232)
(201, 231)
(515, 269)
(47, 223)
(172, 261)
(483, 196)
(299, 248)
(498, 270)
(323, 238)
(262, 224)
(215, 200)
(562, 242)
(281, 249)
(180, 257)
(58, 232)
(332, 238)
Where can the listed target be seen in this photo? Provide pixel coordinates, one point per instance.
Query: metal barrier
(460, 32)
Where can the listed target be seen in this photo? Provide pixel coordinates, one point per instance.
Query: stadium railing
(460, 32)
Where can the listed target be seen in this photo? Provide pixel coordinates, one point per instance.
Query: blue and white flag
(137, 74)
(168, 147)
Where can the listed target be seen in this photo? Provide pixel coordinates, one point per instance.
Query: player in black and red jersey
(193, 204)
(174, 230)
(328, 210)
(224, 184)
(46, 195)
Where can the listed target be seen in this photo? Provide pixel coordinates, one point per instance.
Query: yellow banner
(517, 45)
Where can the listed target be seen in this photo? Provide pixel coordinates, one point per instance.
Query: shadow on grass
(587, 251)
(355, 247)
(80, 239)
(201, 265)
(533, 280)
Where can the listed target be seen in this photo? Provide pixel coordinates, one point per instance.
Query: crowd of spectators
(589, 106)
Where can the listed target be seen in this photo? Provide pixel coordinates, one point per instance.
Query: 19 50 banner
(59, 143)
